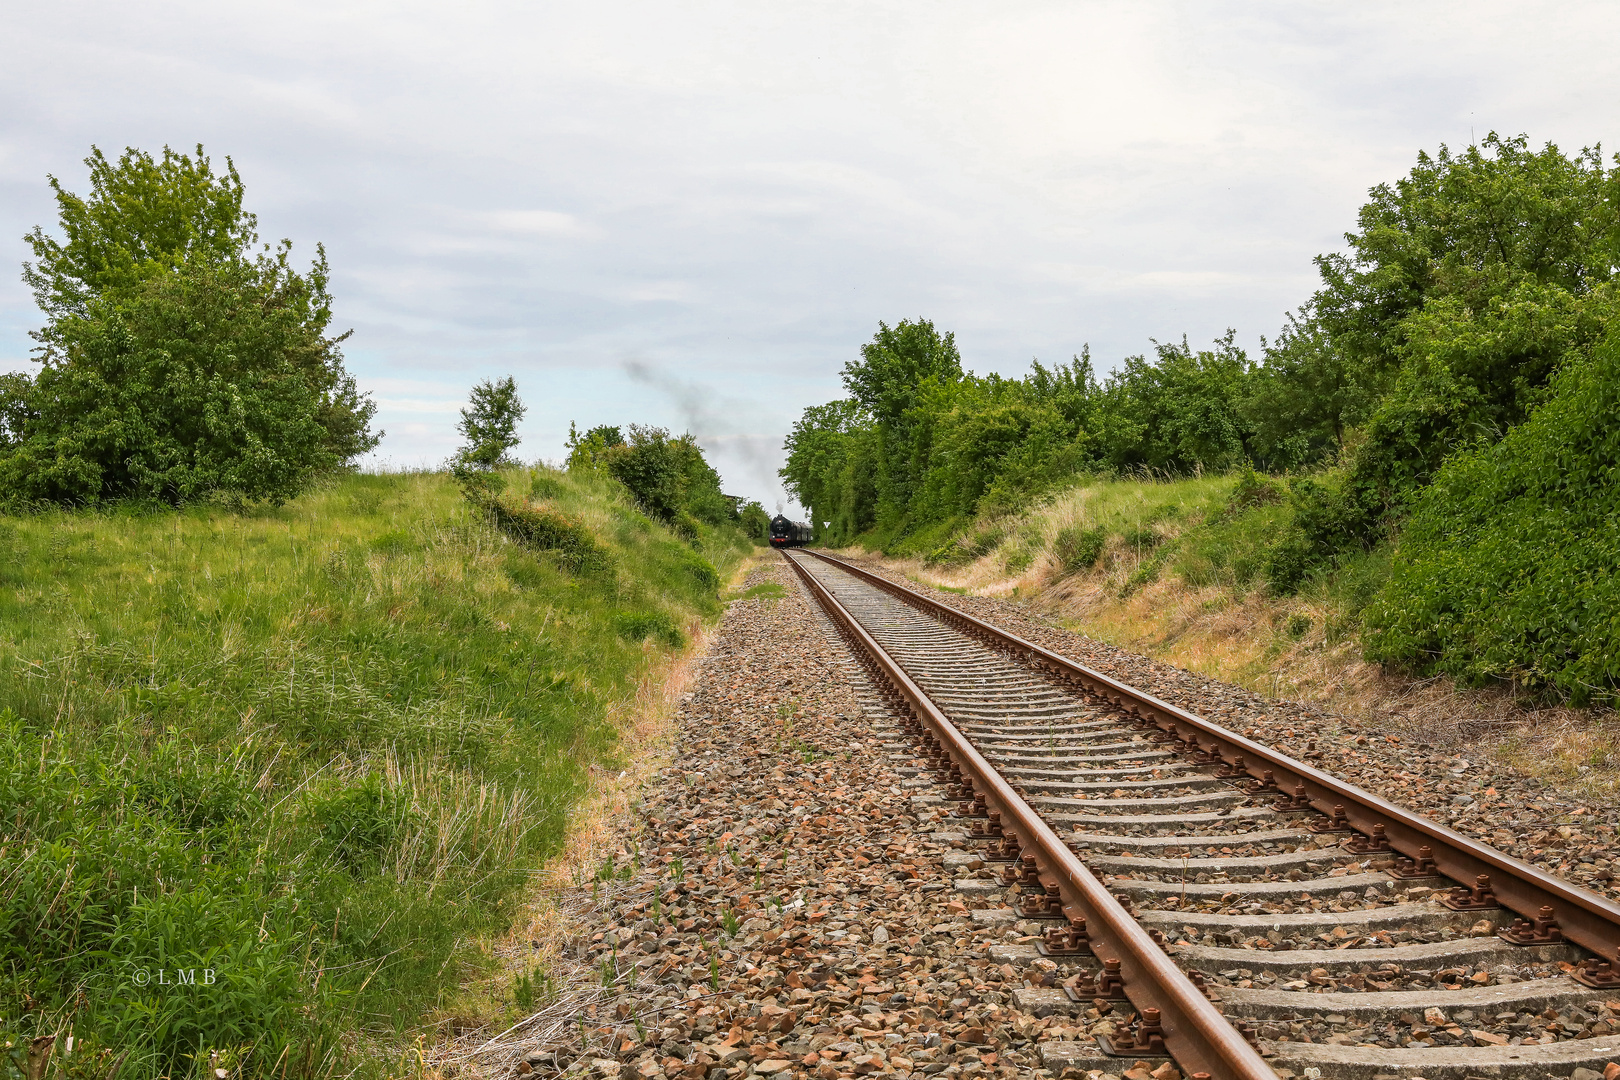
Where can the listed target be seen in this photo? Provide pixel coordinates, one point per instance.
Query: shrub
(360, 821)
(1141, 536)
(1019, 559)
(1507, 568)
(545, 528)
(1079, 549)
(1253, 490)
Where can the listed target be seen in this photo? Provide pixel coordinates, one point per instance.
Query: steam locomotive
(785, 533)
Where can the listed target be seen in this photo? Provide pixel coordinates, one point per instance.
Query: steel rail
(1199, 1038)
(1584, 917)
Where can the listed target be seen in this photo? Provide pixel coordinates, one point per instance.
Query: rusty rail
(1584, 917)
(1195, 1033)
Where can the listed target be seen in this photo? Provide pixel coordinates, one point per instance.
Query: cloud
(534, 222)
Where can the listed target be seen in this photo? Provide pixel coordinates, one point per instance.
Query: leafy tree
(920, 443)
(668, 477)
(176, 360)
(192, 385)
(898, 368)
(828, 468)
(1472, 225)
(755, 522)
(489, 423)
(1179, 411)
(1465, 285)
(1306, 396)
(896, 364)
(587, 451)
(1451, 243)
(143, 218)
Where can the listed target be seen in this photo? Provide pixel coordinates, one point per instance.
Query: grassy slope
(1180, 578)
(316, 749)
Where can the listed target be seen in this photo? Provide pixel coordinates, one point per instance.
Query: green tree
(1473, 225)
(667, 476)
(1179, 411)
(489, 424)
(587, 451)
(829, 467)
(144, 217)
(755, 521)
(896, 365)
(1306, 396)
(176, 359)
(897, 370)
(1465, 285)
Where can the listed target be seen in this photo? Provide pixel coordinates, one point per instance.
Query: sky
(692, 215)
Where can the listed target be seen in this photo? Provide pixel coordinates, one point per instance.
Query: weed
(1019, 560)
(730, 923)
(523, 992)
(1141, 536)
(767, 590)
(1145, 574)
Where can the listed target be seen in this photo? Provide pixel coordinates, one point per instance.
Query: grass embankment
(1178, 569)
(308, 754)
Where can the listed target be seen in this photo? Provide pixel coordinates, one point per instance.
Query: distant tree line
(1465, 286)
(1448, 390)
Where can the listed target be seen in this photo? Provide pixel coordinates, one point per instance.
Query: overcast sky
(692, 214)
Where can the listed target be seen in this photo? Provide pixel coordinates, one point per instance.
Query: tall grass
(1213, 536)
(307, 753)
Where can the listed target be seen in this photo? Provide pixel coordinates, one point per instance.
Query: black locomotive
(785, 533)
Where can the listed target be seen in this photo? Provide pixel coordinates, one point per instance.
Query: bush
(1254, 490)
(1079, 549)
(359, 821)
(1507, 568)
(547, 529)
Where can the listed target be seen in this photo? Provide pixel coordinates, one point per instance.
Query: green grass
(315, 751)
(769, 590)
(1220, 531)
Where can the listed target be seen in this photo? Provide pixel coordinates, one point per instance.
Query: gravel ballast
(791, 906)
(1488, 801)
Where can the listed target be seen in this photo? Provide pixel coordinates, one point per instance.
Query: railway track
(1242, 912)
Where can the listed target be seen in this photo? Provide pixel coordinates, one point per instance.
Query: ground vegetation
(269, 775)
